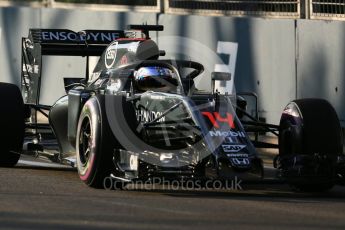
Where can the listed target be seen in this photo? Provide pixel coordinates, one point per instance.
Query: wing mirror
(219, 76)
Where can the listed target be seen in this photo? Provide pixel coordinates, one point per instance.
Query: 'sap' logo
(233, 148)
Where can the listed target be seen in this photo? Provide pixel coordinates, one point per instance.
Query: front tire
(12, 124)
(94, 143)
(310, 139)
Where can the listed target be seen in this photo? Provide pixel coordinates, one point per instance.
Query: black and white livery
(138, 116)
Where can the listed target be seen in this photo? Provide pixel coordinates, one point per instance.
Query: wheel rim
(286, 142)
(85, 141)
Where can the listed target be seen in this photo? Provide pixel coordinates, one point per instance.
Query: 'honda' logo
(240, 161)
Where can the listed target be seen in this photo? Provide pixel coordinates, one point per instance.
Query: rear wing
(69, 43)
(61, 42)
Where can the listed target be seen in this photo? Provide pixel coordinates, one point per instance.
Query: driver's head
(155, 78)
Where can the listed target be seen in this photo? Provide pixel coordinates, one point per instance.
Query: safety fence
(309, 9)
(265, 8)
(109, 5)
(327, 9)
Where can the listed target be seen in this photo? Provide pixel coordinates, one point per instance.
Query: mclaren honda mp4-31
(139, 116)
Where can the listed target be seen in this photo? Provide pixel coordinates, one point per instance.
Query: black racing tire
(94, 143)
(318, 127)
(12, 124)
(308, 127)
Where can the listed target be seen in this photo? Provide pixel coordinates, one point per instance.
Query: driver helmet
(154, 78)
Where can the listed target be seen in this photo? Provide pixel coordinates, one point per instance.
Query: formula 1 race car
(138, 116)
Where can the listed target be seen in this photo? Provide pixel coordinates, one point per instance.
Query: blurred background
(279, 49)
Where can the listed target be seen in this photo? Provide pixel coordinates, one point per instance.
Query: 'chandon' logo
(148, 116)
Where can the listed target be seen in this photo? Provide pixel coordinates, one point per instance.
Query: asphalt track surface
(34, 196)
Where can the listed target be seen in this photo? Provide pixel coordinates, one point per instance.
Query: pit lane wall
(279, 59)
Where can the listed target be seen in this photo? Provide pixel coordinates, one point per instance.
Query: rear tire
(310, 127)
(12, 124)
